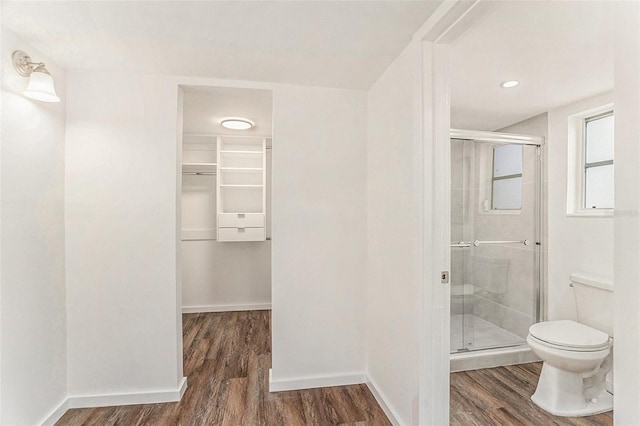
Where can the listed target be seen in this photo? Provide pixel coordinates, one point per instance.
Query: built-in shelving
(241, 191)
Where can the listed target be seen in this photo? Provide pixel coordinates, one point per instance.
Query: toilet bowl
(571, 352)
(576, 355)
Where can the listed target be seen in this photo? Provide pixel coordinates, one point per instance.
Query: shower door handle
(477, 243)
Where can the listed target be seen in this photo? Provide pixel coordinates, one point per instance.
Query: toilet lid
(569, 334)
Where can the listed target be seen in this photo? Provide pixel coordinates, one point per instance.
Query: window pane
(599, 187)
(507, 194)
(507, 160)
(599, 139)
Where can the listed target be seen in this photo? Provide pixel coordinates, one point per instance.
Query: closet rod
(199, 173)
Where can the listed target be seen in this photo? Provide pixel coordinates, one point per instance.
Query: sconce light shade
(40, 85)
(41, 88)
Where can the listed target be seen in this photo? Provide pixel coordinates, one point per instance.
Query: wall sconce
(40, 85)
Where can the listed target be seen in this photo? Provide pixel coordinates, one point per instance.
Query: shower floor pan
(492, 346)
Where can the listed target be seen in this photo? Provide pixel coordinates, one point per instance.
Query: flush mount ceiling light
(40, 85)
(236, 123)
(509, 84)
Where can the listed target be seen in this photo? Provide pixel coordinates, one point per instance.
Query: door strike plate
(444, 277)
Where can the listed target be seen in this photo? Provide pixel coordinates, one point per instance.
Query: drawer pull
(240, 215)
(240, 230)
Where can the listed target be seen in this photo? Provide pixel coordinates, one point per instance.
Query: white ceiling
(560, 51)
(345, 44)
(205, 107)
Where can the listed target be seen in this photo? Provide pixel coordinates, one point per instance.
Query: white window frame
(576, 163)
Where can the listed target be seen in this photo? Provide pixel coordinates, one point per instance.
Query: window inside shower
(495, 260)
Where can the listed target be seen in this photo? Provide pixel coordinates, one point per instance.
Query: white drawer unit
(240, 187)
(241, 220)
(241, 234)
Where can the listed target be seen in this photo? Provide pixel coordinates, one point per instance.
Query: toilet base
(561, 393)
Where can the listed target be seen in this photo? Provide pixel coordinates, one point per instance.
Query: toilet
(577, 355)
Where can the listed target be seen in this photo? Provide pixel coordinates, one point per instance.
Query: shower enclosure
(495, 239)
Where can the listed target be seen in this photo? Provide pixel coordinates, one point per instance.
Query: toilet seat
(569, 335)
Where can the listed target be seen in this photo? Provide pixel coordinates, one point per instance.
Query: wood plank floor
(501, 396)
(227, 357)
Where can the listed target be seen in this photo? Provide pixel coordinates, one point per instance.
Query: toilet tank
(594, 301)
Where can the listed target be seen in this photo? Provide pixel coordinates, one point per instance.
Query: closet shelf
(242, 169)
(236, 152)
(199, 167)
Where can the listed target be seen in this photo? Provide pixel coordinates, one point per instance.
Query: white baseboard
(225, 308)
(336, 380)
(382, 401)
(315, 382)
(56, 414)
(182, 388)
(108, 400)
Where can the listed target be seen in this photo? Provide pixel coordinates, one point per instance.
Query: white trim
(226, 308)
(593, 213)
(182, 388)
(433, 398)
(56, 414)
(381, 398)
(215, 135)
(576, 163)
(108, 400)
(451, 19)
(311, 382)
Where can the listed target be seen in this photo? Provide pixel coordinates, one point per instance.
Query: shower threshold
(489, 358)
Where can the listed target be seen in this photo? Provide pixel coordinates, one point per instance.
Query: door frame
(448, 23)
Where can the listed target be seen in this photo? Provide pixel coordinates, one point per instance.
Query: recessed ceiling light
(236, 123)
(510, 83)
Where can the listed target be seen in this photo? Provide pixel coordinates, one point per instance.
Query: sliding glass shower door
(495, 259)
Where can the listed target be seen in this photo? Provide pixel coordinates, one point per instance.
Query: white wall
(121, 231)
(121, 212)
(33, 339)
(227, 276)
(576, 244)
(393, 234)
(627, 215)
(319, 232)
